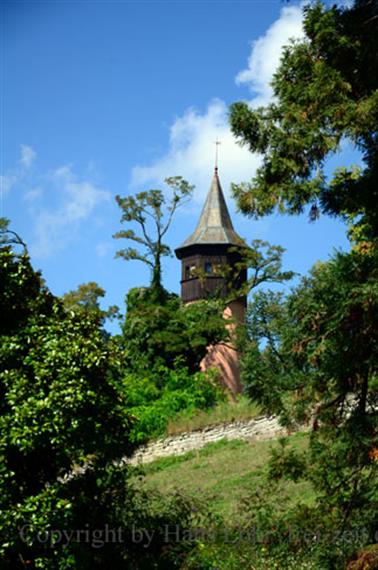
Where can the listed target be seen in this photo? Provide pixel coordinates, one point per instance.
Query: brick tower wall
(224, 357)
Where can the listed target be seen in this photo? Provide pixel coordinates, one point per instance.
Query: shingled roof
(215, 225)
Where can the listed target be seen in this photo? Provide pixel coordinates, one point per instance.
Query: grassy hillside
(226, 478)
(224, 473)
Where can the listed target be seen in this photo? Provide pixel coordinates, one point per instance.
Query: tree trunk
(156, 286)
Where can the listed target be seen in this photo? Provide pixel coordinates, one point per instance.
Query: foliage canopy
(64, 426)
(313, 356)
(152, 213)
(326, 92)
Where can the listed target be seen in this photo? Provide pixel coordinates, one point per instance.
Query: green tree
(63, 428)
(266, 370)
(326, 91)
(57, 398)
(152, 213)
(318, 363)
(320, 358)
(86, 299)
(262, 262)
(162, 333)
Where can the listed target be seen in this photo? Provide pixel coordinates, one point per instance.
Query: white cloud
(66, 207)
(62, 173)
(56, 227)
(192, 136)
(192, 150)
(28, 156)
(266, 53)
(15, 176)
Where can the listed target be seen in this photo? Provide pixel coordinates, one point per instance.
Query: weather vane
(217, 143)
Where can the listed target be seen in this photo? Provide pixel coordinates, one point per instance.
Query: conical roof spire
(215, 225)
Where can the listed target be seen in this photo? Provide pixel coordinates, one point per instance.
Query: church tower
(214, 244)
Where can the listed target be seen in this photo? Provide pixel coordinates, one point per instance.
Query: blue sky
(106, 98)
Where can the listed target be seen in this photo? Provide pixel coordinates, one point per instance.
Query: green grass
(225, 412)
(224, 473)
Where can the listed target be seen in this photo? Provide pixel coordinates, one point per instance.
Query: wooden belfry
(212, 245)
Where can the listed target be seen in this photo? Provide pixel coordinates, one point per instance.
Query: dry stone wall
(258, 428)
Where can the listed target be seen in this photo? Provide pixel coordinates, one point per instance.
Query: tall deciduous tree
(263, 263)
(152, 213)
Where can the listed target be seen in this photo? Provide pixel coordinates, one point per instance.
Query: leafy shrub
(157, 334)
(286, 463)
(99, 519)
(156, 398)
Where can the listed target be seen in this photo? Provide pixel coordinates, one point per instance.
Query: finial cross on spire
(217, 143)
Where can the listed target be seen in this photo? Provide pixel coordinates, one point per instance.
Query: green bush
(62, 409)
(99, 519)
(156, 398)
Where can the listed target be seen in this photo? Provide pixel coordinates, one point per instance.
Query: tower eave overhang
(194, 246)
